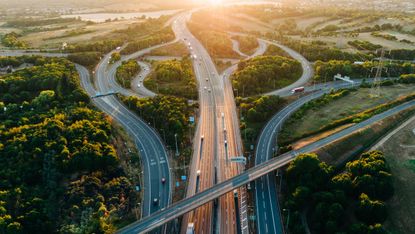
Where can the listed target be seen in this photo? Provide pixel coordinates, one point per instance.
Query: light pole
(288, 219)
(177, 148)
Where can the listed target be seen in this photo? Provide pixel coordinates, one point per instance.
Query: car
(198, 172)
(226, 143)
(139, 85)
(155, 201)
(163, 180)
(209, 90)
(201, 137)
(207, 79)
(205, 87)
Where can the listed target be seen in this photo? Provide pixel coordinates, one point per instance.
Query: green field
(353, 103)
(175, 49)
(400, 152)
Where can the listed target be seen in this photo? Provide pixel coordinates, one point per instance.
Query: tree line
(265, 73)
(12, 40)
(162, 36)
(173, 77)
(325, 71)
(255, 112)
(351, 200)
(60, 172)
(126, 72)
(168, 114)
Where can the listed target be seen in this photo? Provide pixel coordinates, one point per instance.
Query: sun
(216, 2)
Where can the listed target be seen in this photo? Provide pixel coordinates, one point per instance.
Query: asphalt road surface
(199, 199)
(149, 143)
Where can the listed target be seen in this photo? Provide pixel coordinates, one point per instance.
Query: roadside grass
(356, 102)
(175, 49)
(130, 161)
(348, 147)
(401, 158)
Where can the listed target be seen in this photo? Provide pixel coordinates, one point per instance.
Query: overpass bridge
(182, 207)
(98, 94)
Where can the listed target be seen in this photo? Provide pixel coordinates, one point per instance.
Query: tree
(307, 170)
(370, 211)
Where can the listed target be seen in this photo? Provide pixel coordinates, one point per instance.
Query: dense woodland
(173, 77)
(168, 114)
(255, 112)
(59, 169)
(346, 200)
(162, 36)
(265, 73)
(12, 40)
(126, 72)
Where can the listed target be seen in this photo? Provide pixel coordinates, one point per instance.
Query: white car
(205, 87)
(209, 90)
(139, 85)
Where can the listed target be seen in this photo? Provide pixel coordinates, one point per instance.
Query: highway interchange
(218, 122)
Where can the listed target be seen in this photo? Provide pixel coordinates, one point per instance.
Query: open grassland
(353, 103)
(400, 153)
(57, 37)
(176, 49)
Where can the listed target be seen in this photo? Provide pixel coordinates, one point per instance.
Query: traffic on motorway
(216, 196)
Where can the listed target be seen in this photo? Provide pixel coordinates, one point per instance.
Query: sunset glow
(216, 2)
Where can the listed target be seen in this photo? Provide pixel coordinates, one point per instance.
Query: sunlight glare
(215, 2)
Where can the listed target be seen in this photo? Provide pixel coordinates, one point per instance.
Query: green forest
(255, 112)
(12, 40)
(349, 200)
(265, 73)
(173, 77)
(168, 114)
(126, 72)
(59, 169)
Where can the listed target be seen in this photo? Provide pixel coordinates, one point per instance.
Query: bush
(407, 78)
(88, 59)
(126, 72)
(265, 73)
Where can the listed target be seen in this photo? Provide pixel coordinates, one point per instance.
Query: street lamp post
(177, 148)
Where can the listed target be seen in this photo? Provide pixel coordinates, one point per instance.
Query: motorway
(152, 150)
(149, 143)
(267, 208)
(199, 199)
(217, 139)
(205, 152)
